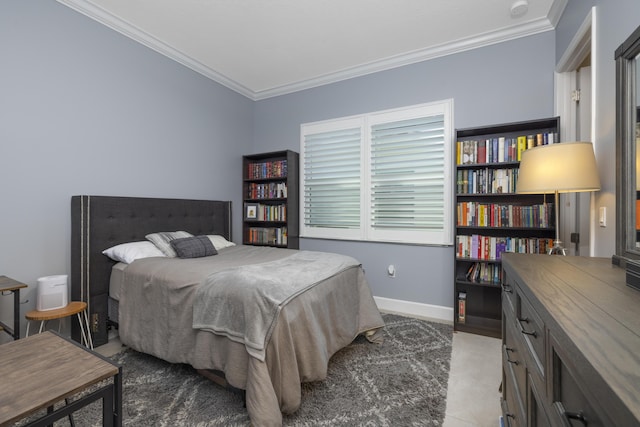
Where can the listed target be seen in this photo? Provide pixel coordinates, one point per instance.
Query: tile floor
(473, 399)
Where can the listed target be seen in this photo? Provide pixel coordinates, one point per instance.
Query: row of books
(268, 212)
(500, 149)
(268, 235)
(267, 190)
(486, 181)
(491, 248)
(272, 169)
(484, 272)
(475, 214)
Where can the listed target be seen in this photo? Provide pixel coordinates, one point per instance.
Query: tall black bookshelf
(270, 199)
(492, 218)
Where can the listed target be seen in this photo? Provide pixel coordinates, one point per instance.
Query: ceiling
(265, 48)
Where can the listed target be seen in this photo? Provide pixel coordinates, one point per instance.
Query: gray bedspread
(243, 303)
(156, 317)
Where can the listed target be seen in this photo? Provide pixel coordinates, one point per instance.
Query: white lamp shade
(565, 167)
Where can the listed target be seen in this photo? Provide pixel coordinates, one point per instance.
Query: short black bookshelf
(491, 218)
(270, 199)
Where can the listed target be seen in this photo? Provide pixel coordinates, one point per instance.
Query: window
(383, 176)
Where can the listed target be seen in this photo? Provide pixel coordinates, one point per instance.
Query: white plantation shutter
(384, 177)
(408, 177)
(332, 179)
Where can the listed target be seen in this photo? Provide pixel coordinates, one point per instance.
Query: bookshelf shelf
(492, 218)
(482, 284)
(270, 198)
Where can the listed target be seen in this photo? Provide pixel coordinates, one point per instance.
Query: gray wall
(85, 110)
(615, 21)
(507, 82)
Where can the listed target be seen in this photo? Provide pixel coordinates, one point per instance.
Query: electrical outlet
(94, 322)
(391, 270)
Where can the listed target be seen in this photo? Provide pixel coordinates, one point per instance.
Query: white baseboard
(415, 309)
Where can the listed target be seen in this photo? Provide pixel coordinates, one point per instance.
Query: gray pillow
(163, 240)
(193, 247)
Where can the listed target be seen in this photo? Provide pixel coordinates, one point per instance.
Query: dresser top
(586, 304)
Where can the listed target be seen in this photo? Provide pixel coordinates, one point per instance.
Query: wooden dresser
(571, 343)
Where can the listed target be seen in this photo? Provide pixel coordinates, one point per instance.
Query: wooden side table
(79, 308)
(42, 370)
(7, 284)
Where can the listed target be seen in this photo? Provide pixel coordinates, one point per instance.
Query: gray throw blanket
(243, 303)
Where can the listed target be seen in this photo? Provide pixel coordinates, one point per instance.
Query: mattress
(116, 280)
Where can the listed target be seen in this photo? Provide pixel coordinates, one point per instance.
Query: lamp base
(557, 249)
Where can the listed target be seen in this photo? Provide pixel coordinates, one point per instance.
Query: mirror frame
(626, 112)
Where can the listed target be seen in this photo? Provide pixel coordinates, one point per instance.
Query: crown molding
(115, 23)
(104, 17)
(450, 48)
(557, 8)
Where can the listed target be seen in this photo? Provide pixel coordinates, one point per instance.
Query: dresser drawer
(513, 360)
(536, 416)
(508, 293)
(531, 327)
(512, 409)
(571, 406)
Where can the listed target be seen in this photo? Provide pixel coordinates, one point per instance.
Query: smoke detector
(519, 8)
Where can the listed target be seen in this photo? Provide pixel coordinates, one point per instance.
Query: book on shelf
(500, 149)
(268, 235)
(522, 145)
(269, 169)
(267, 190)
(483, 214)
(263, 212)
(462, 307)
(491, 248)
(486, 181)
(484, 272)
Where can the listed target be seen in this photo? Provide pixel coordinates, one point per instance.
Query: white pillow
(219, 242)
(129, 252)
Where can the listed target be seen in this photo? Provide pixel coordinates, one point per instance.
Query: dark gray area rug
(402, 382)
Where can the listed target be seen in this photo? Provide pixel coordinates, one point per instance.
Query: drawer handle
(579, 416)
(532, 333)
(510, 350)
(568, 415)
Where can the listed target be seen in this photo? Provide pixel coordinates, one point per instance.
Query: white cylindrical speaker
(52, 292)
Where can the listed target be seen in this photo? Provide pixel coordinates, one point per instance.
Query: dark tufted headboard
(99, 222)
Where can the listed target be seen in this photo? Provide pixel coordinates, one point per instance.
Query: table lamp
(567, 167)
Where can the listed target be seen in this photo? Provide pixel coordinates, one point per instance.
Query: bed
(309, 328)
